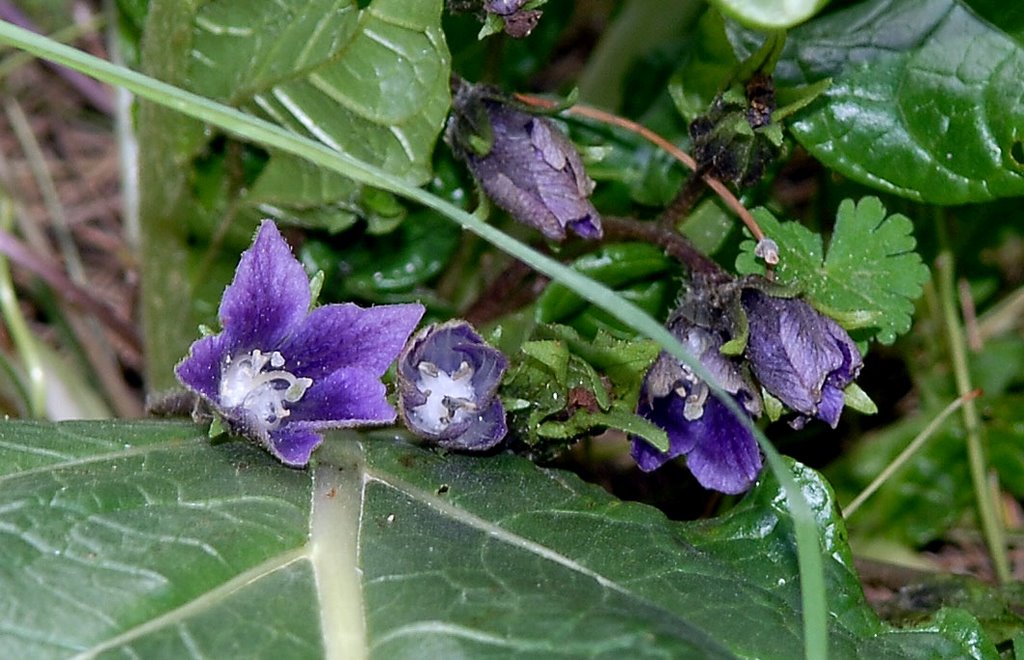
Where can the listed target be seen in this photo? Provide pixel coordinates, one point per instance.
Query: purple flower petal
(278, 374)
(269, 296)
(448, 380)
(831, 404)
(201, 370)
(720, 450)
(293, 444)
(726, 458)
(531, 169)
(800, 356)
(667, 413)
(347, 335)
(350, 396)
(485, 432)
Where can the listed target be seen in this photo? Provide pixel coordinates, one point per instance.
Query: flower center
(263, 394)
(450, 397)
(694, 393)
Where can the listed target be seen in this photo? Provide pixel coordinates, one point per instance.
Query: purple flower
(800, 356)
(720, 451)
(448, 383)
(280, 374)
(523, 163)
(518, 22)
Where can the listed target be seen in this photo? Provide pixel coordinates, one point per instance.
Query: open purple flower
(523, 163)
(448, 382)
(720, 451)
(280, 374)
(800, 356)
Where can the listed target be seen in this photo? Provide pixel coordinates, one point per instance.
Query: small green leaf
(615, 265)
(577, 388)
(871, 267)
(858, 399)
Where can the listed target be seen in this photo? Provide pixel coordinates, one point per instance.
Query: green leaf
(925, 101)
(372, 83)
(144, 539)
(375, 268)
(770, 14)
(618, 265)
(871, 267)
(566, 388)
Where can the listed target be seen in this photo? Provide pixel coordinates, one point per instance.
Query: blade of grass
(813, 594)
(907, 453)
(35, 391)
(988, 508)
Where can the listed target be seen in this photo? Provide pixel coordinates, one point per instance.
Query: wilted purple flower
(278, 373)
(800, 356)
(448, 383)
(720, 451)
(523, 163)
(518, 22)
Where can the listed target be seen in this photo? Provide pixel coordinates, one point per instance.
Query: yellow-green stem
(988, 512)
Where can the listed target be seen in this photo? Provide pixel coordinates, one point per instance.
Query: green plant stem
(905, 455)
(808, 540)
(988, 510)
(638, 29)
(23, 340)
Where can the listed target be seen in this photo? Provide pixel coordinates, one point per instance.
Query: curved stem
(675, 245)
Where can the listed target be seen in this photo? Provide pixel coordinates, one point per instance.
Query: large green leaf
(370, 81)
(143, 539)
(925, 100)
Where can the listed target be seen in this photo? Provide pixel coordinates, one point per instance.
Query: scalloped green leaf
(925, 101)
(870, 271)
(142, 539)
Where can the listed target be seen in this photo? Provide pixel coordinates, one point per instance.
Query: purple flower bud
(448, 382)
(720, 451)
(800, 356)
(518, 22)
(280, 374)
(523, 163)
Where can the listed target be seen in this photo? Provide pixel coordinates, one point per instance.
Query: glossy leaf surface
(142, 538)
(925, 100)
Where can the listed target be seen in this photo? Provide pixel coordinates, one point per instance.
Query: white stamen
(694, 393)
(263, 394)
(450, 397)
